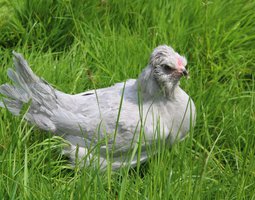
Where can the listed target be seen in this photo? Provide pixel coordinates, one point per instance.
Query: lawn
(80, 45)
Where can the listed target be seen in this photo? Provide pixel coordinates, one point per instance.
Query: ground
(78, 45)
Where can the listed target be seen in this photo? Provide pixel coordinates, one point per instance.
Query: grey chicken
(107, 125)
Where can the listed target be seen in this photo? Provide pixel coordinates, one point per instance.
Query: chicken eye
(167, 69)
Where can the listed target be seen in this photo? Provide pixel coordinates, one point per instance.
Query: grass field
(78, 45)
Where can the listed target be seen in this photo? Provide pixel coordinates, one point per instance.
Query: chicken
(107, 125)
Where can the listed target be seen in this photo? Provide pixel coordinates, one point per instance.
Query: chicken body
(108, 121)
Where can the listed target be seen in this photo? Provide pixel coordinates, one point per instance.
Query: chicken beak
(184, 72)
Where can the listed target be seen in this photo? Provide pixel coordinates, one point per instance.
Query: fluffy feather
(109, 120)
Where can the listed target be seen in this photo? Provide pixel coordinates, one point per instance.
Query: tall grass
(79, 45)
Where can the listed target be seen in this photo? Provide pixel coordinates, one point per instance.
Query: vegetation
(79, 45)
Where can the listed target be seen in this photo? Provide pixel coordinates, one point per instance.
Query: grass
(78, 45)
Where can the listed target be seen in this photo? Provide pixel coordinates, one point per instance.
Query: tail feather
(27, 86)
(14, 106)
(22, 68)
(12, 92)
(18, 80)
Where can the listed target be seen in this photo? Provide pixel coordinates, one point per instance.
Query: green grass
(76, 45)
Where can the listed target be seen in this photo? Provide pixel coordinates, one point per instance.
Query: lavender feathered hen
(110, 120)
